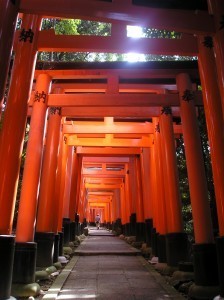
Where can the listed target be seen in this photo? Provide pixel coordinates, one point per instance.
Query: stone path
(107, 268)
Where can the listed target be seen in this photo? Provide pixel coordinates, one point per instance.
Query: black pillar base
(140, 232)
(72, 231)
(7, 248)
(176, 248)
(148, 231)
(205, 265)
(161, 244)
(133, 224)
(24, 266)
(66, 230)
(56, 247)
(61, 243)
(220, 258)
(154, 243)
(45, 248)
(125, 231)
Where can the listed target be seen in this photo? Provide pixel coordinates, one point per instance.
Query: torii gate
(198, 29)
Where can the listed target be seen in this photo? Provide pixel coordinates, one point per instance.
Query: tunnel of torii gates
(102, 135)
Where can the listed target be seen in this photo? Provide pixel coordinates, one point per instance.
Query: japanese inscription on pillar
(26, 35)
(55, 110)
(166, 110)
(40, 96)
(208, 42)
(187, 95)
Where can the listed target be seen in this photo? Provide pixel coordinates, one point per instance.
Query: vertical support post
(205, 272)
(47, 188)
(216, 9)
(140, 225)
(8, 17)
(176, 239)
(158, 234)
(11, 141)
(214, 121)
(147, 192)
(25, 251)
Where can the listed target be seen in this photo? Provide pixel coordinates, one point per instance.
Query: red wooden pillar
(140, 218)
(29, 193)
(28, 199)
(47, 201)
(204, 247)
(67, 191)
(63, 162)
(214, 121)
(216, 9)
(13, 129)
(74, 179)
(147, 192)
(145, 175)
(160, 209)
(158, 236)
(173, 203)
(176, 239)
(11, 141)
(8, 17)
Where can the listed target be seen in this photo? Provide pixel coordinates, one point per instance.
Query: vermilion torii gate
(110, 133)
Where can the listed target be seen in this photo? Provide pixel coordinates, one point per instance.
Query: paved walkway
(107, 268)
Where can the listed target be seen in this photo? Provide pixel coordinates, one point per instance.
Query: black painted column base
(148, 231)
(72, 231)
(220, 258)
(133, 224)
(161, 244)
(66, 229)
(176, 248)
(56, 247)
(24, 266)
(154, 243)
(45, 248)
(127, 229)
(140, 232)
(7, 249)
(61, 243)
(205, 264)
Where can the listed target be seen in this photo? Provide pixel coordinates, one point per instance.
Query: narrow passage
(107, 268)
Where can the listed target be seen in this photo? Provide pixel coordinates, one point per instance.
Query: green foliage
(184, 187)
(66, 26)
(160, 33)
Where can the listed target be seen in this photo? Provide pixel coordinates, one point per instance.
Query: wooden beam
(64, 100)
(86, 151)
(128, 71)
(48, 41)
(116, 127)
(103, 180)
(72, 140)
(114, 111)
(101, 193)
(107, 160)
(102, 186)
(123, 87)
(199, 22)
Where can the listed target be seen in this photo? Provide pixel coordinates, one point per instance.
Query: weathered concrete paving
(109, 277)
